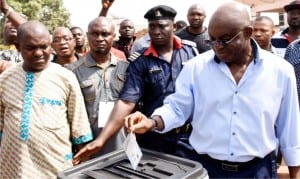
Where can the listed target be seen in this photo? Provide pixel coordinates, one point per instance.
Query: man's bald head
(31, 28)
(66, 31)
(101, 34)
(232, 13)
(199, 7)
(102, 21)
(34, 43)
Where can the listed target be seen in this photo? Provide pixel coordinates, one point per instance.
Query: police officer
(151, 77)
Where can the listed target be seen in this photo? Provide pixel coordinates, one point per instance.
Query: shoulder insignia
(188, 42)
(133, 56)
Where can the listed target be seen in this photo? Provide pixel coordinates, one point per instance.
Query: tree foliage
(51, 12)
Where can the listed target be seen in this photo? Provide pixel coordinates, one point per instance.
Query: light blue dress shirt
(236, 122)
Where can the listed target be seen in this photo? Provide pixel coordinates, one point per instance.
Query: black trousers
(256, 168)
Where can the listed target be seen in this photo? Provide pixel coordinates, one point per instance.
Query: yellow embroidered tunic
(41, 115)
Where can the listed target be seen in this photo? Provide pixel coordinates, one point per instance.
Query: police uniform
(151, 78)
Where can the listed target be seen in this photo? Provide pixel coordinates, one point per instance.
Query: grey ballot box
(153, 165)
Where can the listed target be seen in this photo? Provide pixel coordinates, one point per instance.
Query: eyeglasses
(223, 42)
(60, 39)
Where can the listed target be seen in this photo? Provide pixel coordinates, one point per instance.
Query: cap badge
(158, 13)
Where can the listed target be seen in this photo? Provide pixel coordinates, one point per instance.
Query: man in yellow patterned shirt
(42, 112)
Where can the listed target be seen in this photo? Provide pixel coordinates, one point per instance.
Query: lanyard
(103, 81)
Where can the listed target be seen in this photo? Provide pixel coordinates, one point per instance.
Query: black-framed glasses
(64, 39)
(223, 42)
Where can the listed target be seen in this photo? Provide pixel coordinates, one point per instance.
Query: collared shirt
(276, 51)
(292, 55)
(280, 41)
(236, 122)
(151, 78)
(97, 84)
(55, 60)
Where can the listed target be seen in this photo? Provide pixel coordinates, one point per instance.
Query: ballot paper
(132, 150)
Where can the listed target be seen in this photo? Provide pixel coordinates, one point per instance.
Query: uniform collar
(150, 50)
(90, 62)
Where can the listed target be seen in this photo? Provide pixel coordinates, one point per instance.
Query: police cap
(160, 12)
(292, 5)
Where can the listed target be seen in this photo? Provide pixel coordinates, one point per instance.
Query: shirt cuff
(291, 156)
(82, 139)
(169, 118)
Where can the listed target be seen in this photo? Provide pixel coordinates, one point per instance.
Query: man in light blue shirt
(242, 99)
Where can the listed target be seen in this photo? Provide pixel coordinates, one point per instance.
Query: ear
(18, 46)
(248, 31)
(174, 26)
(273, 31)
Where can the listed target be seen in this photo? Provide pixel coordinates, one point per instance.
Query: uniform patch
(133, 56)
(188, 42)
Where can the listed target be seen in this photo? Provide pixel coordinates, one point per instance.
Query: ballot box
(153, 165)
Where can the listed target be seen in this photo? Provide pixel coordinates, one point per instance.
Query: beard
(295, 25)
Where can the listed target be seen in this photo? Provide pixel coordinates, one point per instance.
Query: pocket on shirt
(120, 82)
(51, 112)
(154, 78)
(88, 90)
(117, 84)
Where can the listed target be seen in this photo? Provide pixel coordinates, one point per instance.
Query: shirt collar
(150, 50)
(255, 49)
(90, 62)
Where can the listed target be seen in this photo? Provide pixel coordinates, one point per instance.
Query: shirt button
(234, 112)
(233, 133)
(236, 92)
(232, 154)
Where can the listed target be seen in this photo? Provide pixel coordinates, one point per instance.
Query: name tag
(105, 109)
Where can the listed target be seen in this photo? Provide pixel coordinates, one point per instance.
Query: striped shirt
(292, 55)
(41, 115)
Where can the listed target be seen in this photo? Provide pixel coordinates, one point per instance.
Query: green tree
(51, 12)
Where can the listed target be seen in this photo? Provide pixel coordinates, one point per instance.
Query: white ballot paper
(132, 150)
(105, 109)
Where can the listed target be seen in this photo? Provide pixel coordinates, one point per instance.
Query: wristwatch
(155, 123)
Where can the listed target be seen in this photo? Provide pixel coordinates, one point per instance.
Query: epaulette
(133, 56)
(188, 42)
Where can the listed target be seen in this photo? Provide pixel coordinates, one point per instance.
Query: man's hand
(86, 152)
(105, 7)
(107, 3)
(3, 6)
(138, 123)
(4, 65)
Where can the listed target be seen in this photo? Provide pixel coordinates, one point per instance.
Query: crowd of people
(225, 95)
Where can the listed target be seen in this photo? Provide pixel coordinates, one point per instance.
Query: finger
(135, 118)
(80, 152)
(128, 119)
(139, 128)
(76, 161)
